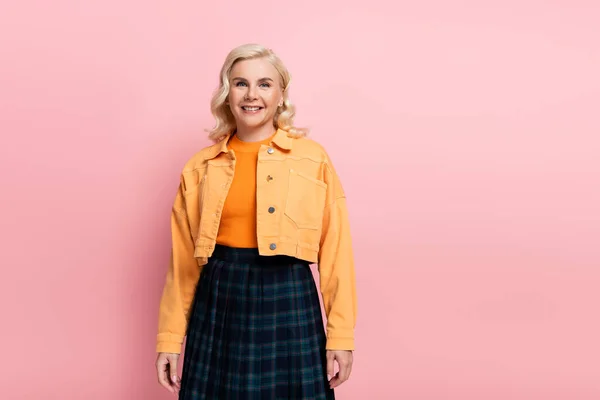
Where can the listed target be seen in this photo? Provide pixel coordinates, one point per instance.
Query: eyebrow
(244, 79)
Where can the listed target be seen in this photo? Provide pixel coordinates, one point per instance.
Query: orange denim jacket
(295, 176)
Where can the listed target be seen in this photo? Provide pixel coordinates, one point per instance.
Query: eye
(238, 84)
(265, 84)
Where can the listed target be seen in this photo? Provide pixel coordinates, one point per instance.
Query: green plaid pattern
(256, 331)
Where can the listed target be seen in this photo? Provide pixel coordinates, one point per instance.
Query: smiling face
(254, 92)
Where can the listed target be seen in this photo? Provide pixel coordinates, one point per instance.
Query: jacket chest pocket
(305, 200)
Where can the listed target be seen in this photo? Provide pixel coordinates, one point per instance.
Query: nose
(250, 93)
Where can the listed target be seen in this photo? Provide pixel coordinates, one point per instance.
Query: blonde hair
(225, 122)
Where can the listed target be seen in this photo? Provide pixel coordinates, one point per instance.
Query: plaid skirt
(256, 331)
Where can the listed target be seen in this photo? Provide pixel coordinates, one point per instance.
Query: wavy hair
(225, 122)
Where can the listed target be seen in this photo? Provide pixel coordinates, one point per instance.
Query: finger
(173, 372)
(330, 366)
(163, 378)
(343, 373)
(336, 381)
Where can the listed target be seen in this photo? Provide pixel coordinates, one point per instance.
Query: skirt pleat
(255, 331)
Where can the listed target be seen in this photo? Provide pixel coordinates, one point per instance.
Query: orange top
(238, 219)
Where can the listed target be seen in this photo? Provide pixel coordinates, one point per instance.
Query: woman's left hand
(344, 360)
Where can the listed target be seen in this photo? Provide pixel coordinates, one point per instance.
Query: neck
(255, 134)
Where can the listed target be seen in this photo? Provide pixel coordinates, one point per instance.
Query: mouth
(252, 109)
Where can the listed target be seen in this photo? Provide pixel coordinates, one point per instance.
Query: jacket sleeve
(336, 267)
(181, 280)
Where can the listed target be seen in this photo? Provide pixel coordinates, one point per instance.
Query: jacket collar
(280, 139)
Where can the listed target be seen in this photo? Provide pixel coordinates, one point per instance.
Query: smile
(251, 109)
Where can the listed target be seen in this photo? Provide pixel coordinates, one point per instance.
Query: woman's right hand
(166, 369)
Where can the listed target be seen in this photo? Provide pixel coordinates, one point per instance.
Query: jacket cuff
(168, 343)
(168, 347)
(339, 344)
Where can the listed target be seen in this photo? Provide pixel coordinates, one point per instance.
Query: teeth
(251, 108)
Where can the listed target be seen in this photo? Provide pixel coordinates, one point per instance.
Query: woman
(251, 214)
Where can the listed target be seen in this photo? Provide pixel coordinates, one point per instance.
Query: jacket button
(270, 150)
(272, 246)
(271, 210)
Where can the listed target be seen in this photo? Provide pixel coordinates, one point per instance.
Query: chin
(251, 123)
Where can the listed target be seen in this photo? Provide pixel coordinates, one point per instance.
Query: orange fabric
(301, 211)
(237, 227)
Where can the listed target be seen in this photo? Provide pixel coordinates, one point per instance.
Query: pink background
(466, 134)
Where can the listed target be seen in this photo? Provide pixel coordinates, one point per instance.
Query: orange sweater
(238, 220)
